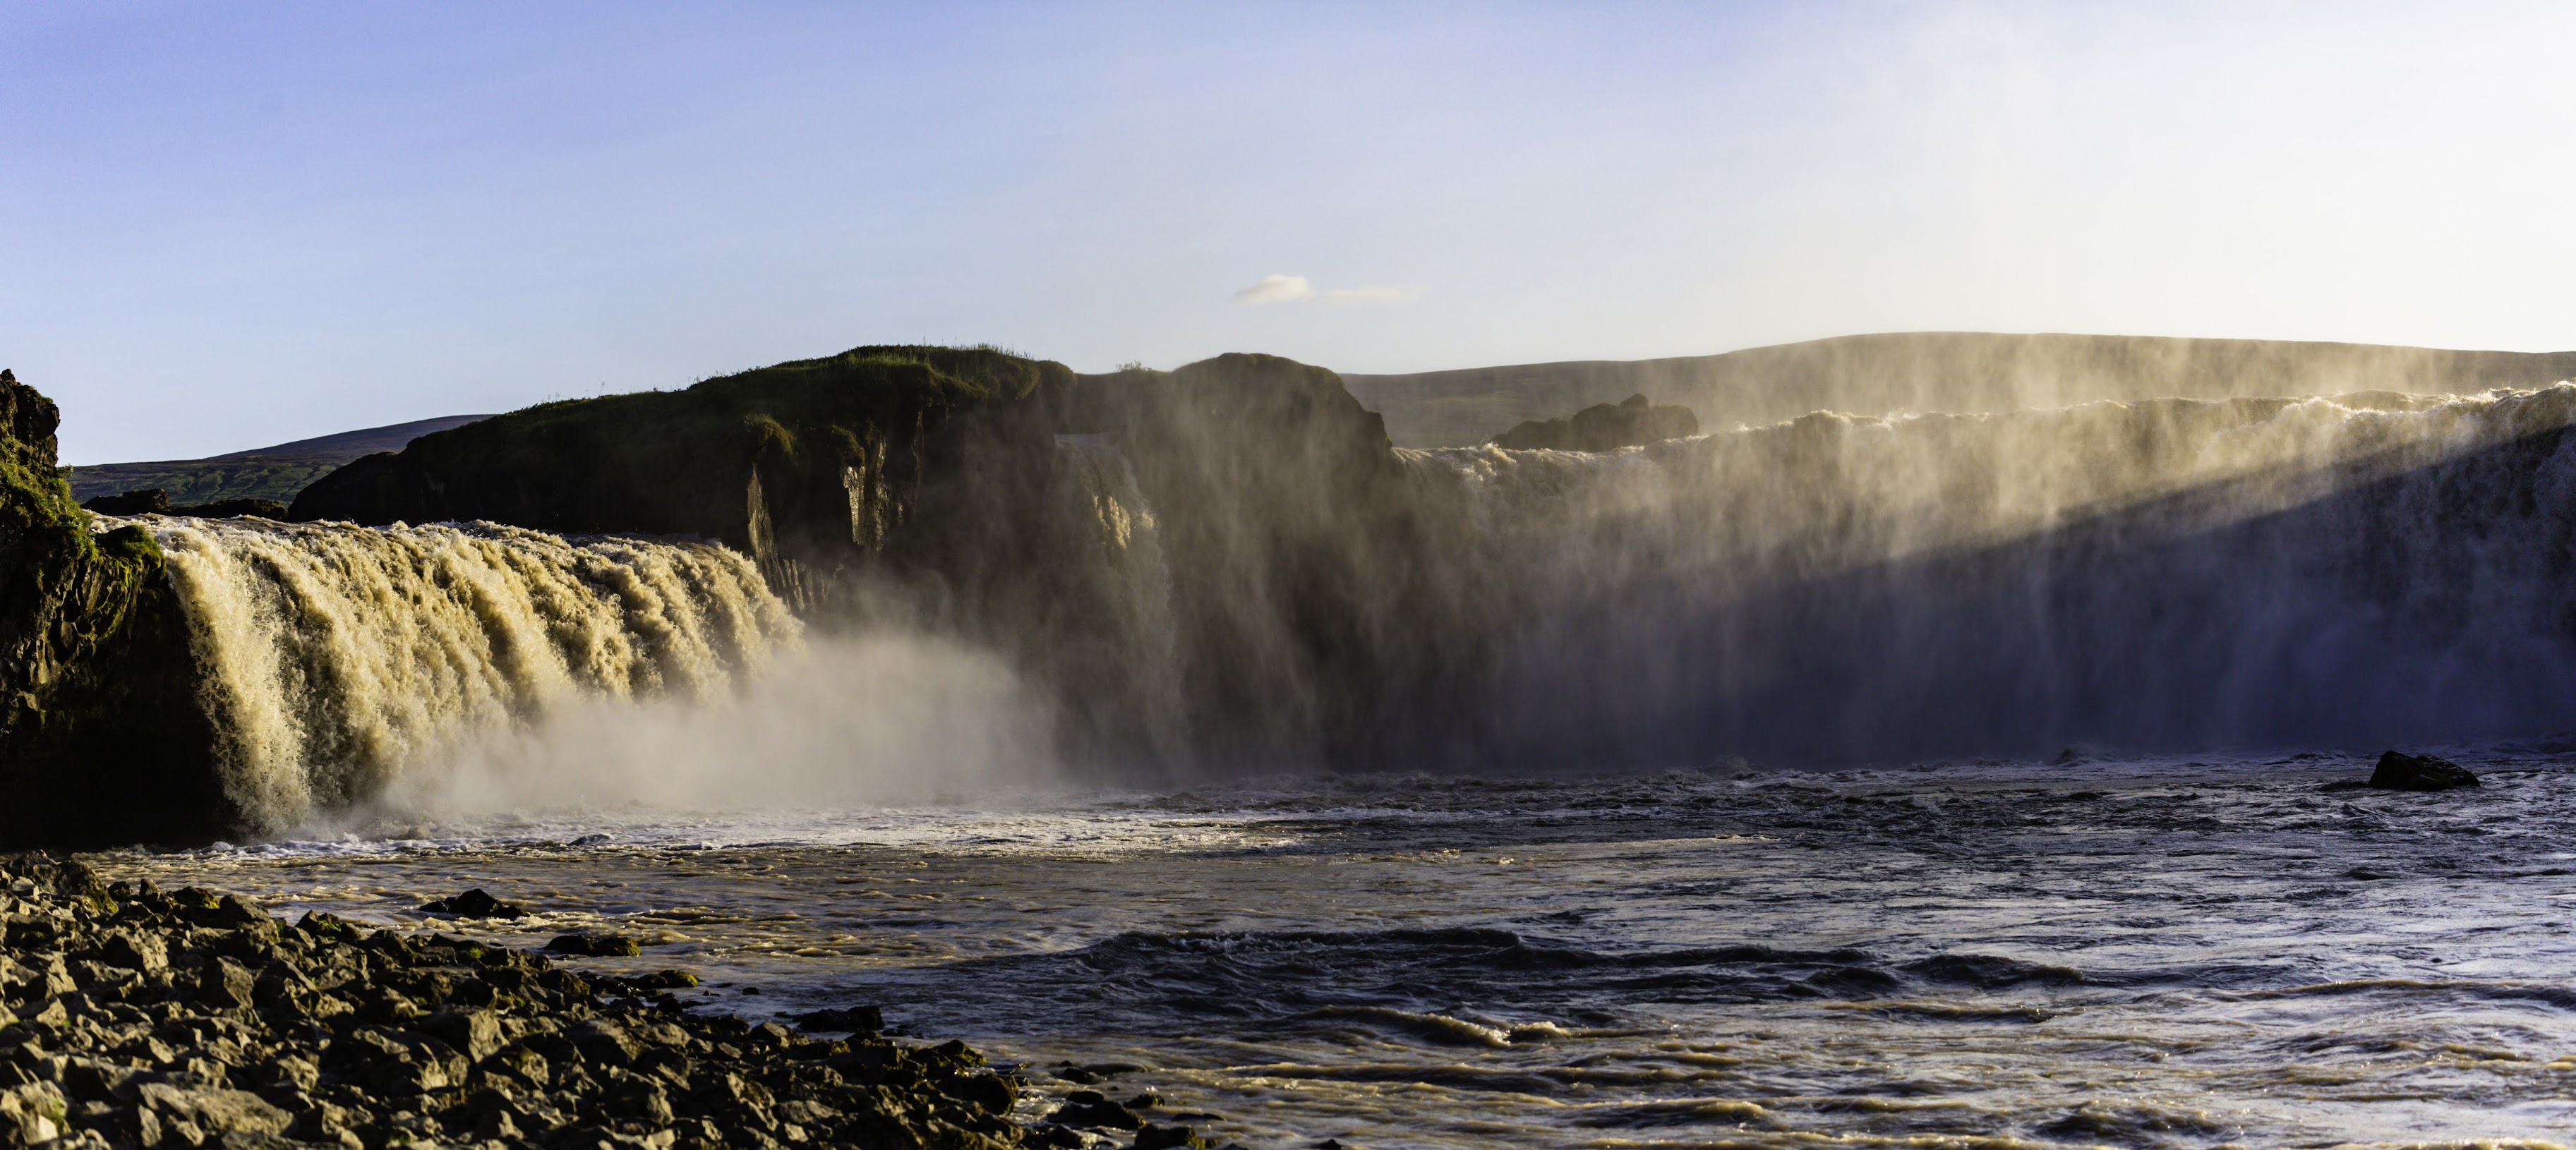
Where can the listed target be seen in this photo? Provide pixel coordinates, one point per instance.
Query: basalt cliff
(101, 735)
(1229, 567)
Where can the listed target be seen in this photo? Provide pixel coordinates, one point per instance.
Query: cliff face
(102, 738)
(807, 466)
(1208, 560)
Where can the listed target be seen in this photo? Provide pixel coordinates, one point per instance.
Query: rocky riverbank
(134, 1017)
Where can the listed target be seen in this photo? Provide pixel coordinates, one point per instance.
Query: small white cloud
(1382, 293)
(1277, 289)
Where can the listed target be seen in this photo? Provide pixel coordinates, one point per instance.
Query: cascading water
(337, 657)
(2167, 574)
(2139, 949)
(2157, 575)
(1139, 595)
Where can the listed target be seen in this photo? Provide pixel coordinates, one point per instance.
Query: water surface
(2128, 953)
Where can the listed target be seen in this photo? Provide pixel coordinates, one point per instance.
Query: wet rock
(595, 944)
(987, 1092)
(1153, 1137)
(1092, 1109)
(2403, 772)
(855, 1019)
(476, 903)
(136, 1018)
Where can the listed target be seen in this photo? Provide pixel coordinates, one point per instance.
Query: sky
(228, 225)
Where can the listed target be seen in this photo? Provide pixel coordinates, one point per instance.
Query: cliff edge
(102, 738)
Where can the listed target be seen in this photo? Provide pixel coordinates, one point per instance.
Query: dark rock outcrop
(228, 508)
(475, 903)
(595, 944)
(2403, 772)
(1247, 502)
(808, 467)
(148, 501)
(102, 739)
(154, 501)
(1628, 423)
(135, 1017)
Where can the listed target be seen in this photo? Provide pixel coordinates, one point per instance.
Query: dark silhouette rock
(596, 944)
(148, 501)
(2403, 772)
(228, 508)
(1093, 1109)
(476, 903)
(1173, 1137)
(1602, 427)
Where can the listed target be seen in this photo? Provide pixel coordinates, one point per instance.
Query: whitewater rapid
(339, 658)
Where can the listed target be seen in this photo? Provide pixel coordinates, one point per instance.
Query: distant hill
(277, 472)
(1929, 371)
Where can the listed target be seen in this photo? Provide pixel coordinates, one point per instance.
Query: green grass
(252, 478)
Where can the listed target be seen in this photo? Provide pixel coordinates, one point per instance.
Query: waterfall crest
(335, 657)
(2170, 573)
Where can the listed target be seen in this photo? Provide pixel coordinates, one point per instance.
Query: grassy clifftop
(277, 472)
(805, 459)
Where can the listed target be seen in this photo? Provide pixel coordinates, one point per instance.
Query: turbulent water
(340, 658)
(2077, 900)
(2139, 953)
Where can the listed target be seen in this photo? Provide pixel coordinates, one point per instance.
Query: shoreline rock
(135, 1017)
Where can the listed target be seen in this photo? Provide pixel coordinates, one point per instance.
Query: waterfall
(1139, 598)
(2168, 574)
(2172, 573)
(337, 657)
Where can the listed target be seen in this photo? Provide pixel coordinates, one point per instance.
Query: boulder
(2398, 771)
(476, 903)
(1093, 1109)
(595, 944)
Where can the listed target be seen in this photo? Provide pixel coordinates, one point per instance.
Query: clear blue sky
(225, 225)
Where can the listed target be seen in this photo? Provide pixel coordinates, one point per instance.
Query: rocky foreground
(134, 1017)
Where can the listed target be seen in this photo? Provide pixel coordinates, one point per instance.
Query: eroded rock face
(2403, 772)
(102, 739)
(1604, 426)
(191, 1017)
